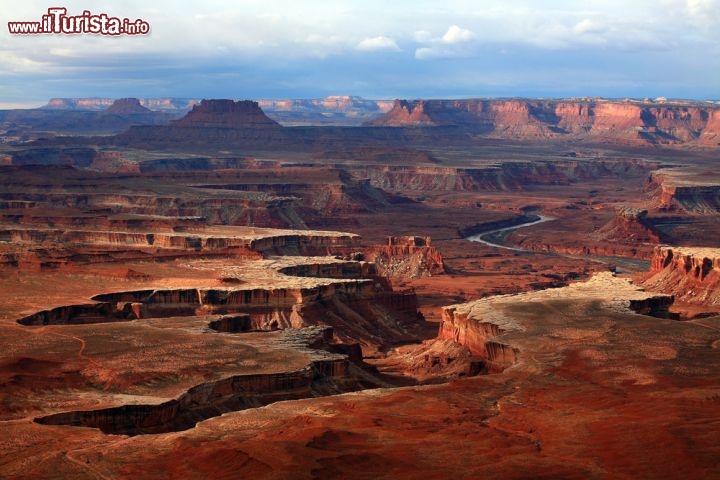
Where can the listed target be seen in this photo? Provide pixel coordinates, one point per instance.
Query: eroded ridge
(329, 374)
(486, 326)
(690, 274)
(367, 310)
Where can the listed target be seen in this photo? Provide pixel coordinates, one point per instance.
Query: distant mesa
(127, 106)
(170, 105)
(226, 114)
(346, 110)
(598, 119)
(78, 104)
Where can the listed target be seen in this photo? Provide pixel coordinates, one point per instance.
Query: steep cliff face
(405, 113)
(593, 119)
(491, 330)
(629, 226)
(406, 257)
(691, 198)
(711, 134)
(330, 373)
(352, 297)
(692, 192)
(502, 177)
(479, 337)
(226, 114)
(692, 275)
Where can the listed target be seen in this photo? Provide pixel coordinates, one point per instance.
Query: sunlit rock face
(532, 119)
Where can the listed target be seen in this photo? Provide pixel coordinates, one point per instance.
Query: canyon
(234, 294)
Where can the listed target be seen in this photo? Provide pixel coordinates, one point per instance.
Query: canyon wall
(631, 121)
(330, 373)
(490, 331)
(479, 337)
(692, 275)
(691, 192)
(501, 177)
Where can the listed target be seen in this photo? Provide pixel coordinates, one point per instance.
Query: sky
(380, 49)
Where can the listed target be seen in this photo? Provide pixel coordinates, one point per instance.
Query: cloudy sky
(373, 48)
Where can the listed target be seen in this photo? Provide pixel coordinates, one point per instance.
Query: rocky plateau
(461, 289)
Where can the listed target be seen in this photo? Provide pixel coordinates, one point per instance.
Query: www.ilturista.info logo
(58, 22)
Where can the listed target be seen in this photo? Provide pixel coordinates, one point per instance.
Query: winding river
(495, 238)
(492, 237)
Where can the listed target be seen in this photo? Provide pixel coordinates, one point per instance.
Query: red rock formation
(690, 192)
(502, 177)
(692, 275)
(329, 375)
(629, 226)
(711, 134)
(594, 119)
(226, 114)
(480, 337)
(322, 377)
(617, 120)
(405, 113)
(406, 257)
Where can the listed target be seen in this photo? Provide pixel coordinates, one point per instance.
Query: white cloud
(456, 34)
(280, 40)
(588, 26)
(422, 36)
(704, 13)
(456, 42)
(425, 53)
(378, 43)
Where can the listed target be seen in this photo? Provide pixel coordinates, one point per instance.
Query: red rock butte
(126, 106)
(226, 114)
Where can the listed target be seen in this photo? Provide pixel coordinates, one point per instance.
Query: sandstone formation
(583, 119)
(226, 114)
(629, 226)
(79, 103)
(298, 302)
(691, 191)
(331, 374)
(496, 177)
(406, 257)
(575, 369)
(481, 325)
(692, 275)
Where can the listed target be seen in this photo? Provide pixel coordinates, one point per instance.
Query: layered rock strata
(690, 274)
(485, 326)
(640, 122)
(326, 376)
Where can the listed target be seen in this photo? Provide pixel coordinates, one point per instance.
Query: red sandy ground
(595, 394)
